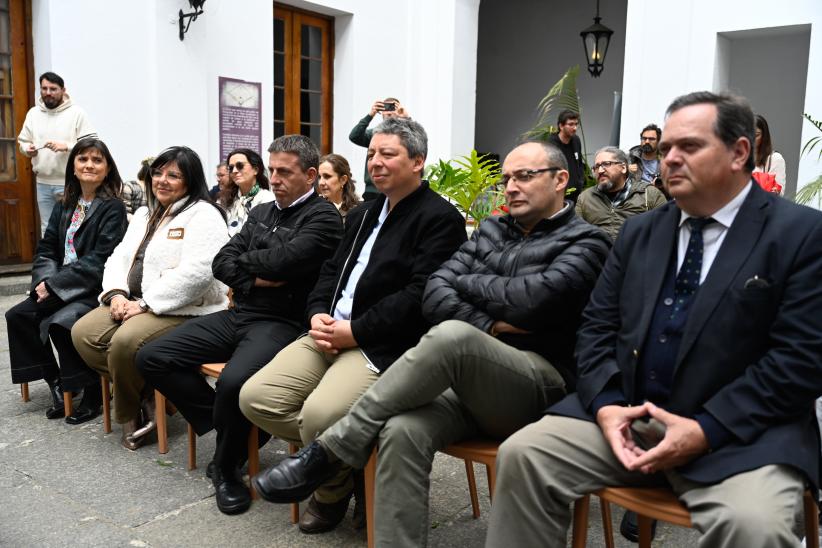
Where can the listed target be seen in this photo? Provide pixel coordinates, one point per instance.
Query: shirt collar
(298, 201)
(726, 215)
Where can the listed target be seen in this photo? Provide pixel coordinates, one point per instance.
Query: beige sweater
(66, 123)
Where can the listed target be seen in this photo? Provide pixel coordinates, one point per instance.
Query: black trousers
(31, 360)
(245, 341)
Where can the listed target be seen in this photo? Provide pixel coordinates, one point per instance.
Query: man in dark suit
(702, 343)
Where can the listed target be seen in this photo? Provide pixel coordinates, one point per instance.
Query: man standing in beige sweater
(49, 132)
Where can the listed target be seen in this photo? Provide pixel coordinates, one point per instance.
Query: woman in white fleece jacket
(159, 275)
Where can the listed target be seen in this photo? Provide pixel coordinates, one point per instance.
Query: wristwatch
(143, 305)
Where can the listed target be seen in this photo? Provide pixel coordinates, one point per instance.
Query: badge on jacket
(176, 233)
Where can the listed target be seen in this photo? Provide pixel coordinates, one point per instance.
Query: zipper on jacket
(345, 264)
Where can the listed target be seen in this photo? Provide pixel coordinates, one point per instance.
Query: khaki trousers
(457, 383)
(549, 464)
(109, 347)
(303, 391)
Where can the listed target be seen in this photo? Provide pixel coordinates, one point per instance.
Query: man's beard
(647, 148)
(51, 102)
(606, 186)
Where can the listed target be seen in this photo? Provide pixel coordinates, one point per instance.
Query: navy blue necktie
(687, 281)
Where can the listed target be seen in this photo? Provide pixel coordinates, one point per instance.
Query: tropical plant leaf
(562, 95)
(810, 191)
(815, 141)
(469, 184)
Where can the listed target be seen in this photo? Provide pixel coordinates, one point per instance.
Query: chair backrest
(212, 369)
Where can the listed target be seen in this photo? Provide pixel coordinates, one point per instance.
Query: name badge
(176, 233)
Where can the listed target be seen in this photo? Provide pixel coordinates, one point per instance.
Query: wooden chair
(658, 503)
(471, 451)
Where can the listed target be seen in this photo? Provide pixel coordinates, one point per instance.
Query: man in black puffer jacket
(508, 303)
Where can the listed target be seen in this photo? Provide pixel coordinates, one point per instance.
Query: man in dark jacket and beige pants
(365, 311)
(507, 304)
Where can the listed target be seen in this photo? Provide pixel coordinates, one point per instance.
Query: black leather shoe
(56, 410)
(629, 527)
(296, 476)
(320, 517)
(83, 414)
(231, 493)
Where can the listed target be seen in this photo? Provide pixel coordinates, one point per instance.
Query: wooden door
(303, 72)
(19, 227)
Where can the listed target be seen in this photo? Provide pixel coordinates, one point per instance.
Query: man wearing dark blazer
(699, 357)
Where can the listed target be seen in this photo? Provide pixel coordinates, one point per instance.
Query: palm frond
(562, 95)
(815, 141)
(810, 191)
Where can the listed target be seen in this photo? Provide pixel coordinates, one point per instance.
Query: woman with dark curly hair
(66, 278)
(335, 183)
(249, 187)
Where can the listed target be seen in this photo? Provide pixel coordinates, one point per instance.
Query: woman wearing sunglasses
(159, 276)
(248, 188)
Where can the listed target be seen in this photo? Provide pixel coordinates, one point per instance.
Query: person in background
(567, 141)
(335, 183)
(67, 272)
(50, 130)
(248, 188)
(766, 159)
(223, 182)
(157, 277)
(361, 135)
(134, 192)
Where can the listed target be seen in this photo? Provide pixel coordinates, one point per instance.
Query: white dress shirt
(342, 310)
(712, 235)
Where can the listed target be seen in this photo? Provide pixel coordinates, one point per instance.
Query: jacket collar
(558, 219)
(403, 206)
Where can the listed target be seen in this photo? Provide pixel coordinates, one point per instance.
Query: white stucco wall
(671, 49)
(145, 90)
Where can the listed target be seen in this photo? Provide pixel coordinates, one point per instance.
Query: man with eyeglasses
(271, 265)
(617, 195)
(700, 356)
(568, 143)
(508, 304)
(645, 158)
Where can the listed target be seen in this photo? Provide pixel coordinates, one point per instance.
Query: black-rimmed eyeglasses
(606, 165)
(525, 175)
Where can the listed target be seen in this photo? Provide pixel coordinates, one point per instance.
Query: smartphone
(647, 432)
(389, 106)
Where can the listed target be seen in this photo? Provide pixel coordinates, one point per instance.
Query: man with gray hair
(617, 195)
(271, 266)
(364, 312)
(507, 305)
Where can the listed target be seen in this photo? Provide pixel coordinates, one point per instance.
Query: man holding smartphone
(361, 135)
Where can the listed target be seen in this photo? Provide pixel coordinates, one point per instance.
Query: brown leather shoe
(320, 517)
(128, 440)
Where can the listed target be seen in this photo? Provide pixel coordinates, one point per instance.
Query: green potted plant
(469, 182)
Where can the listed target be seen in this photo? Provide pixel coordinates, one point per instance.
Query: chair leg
(579, 535)
(472, 488)
(607, 523)
(491, 469)
(645, 525)
(68, 408)
(106, 405)
(370, 482)
(811, 521)
(192, 448)
(162, 424)
(24, 391)
(295, 506)
(253, 457)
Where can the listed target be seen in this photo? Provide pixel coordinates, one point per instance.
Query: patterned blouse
(77, 217)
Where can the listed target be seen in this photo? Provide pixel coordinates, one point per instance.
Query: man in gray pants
(508, 303)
